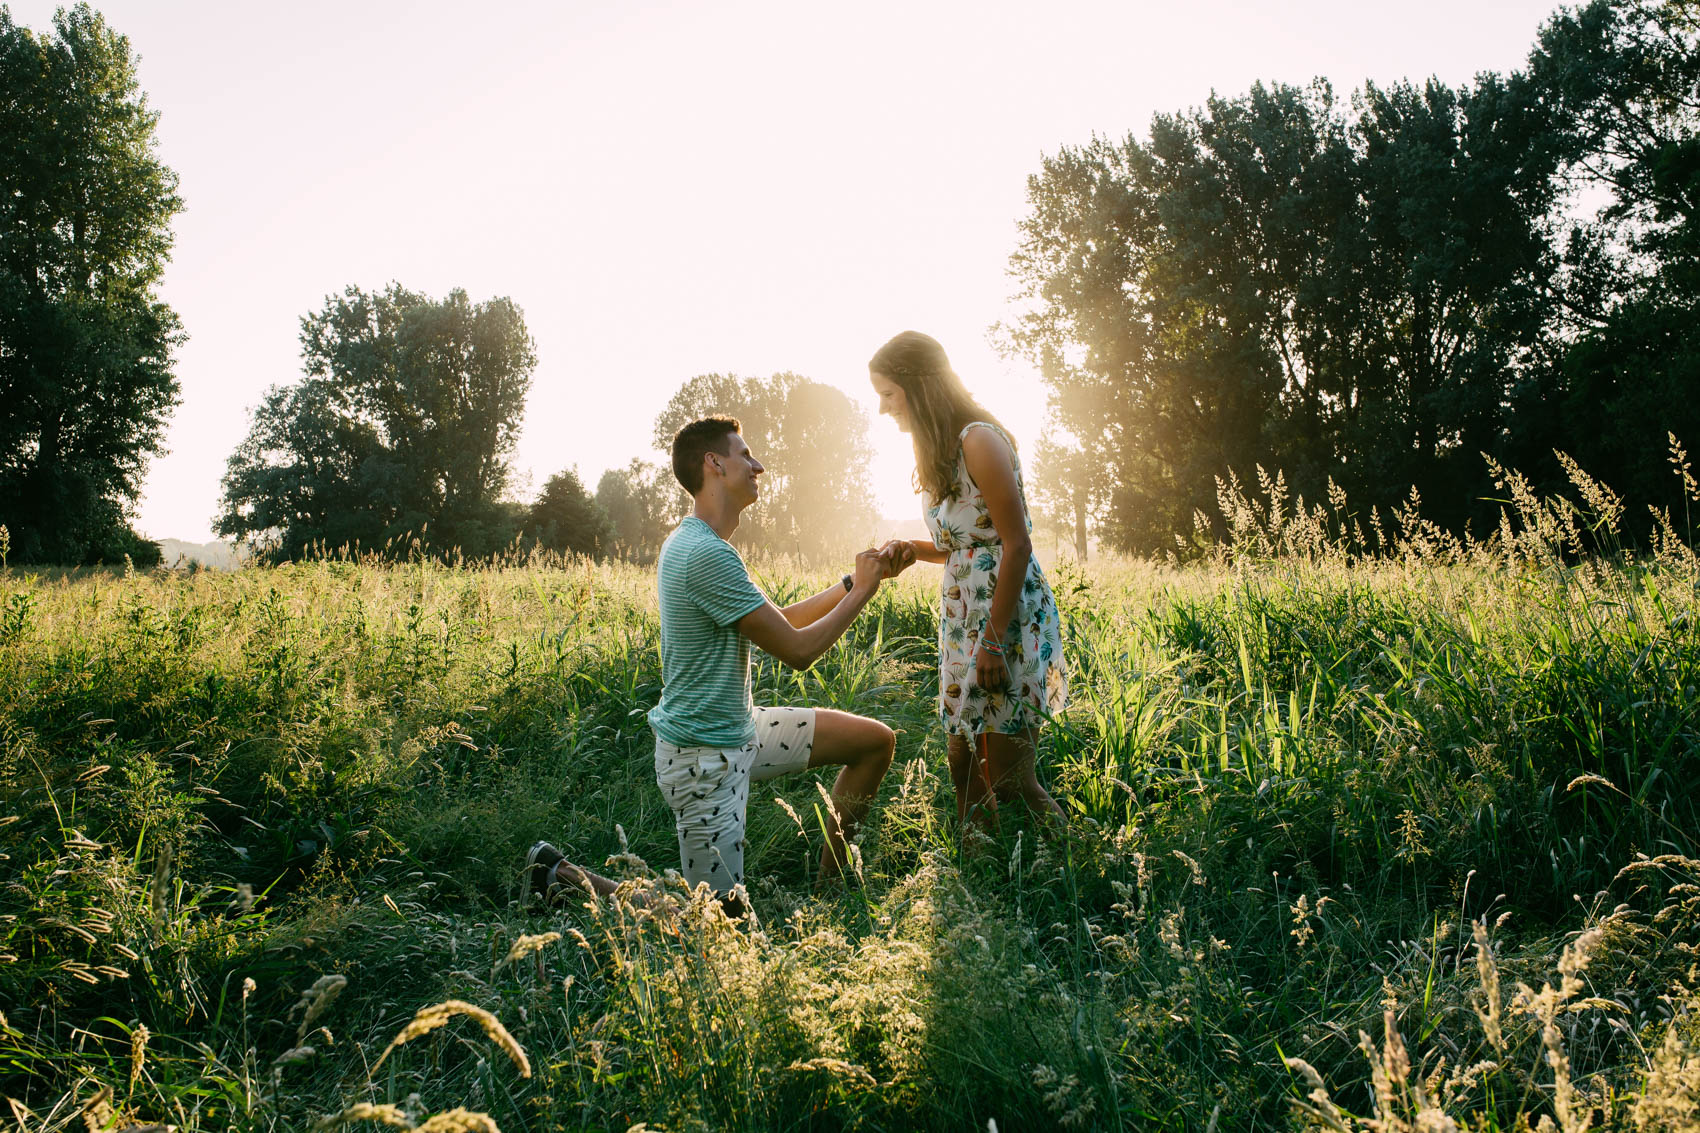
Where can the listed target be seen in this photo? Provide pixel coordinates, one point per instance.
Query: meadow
(1369, 828)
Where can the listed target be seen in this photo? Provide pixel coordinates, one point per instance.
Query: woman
(1000, 640)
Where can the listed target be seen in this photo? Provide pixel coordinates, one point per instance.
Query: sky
(669, 189)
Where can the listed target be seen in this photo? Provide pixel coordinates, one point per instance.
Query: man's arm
(769, 628)
(810, 610)
(895, 558)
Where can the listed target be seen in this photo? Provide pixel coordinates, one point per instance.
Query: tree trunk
(1080, 524)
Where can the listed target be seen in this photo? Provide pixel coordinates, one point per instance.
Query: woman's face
(893, 401)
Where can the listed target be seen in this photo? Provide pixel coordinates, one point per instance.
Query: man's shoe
(539, 882)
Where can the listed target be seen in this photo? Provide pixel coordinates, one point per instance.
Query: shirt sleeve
(719, 583)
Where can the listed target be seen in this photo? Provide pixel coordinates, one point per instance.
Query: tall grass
(1343, 793)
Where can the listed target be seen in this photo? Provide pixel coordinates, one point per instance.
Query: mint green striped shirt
(705, 662)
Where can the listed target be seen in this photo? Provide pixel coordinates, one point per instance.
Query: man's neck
(714, 509)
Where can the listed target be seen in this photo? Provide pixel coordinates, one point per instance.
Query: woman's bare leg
(1010, 766)
(974, 799)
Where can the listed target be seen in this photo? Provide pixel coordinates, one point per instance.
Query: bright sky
(670, 189)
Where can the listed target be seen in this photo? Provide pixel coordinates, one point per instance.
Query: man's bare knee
(881, 747)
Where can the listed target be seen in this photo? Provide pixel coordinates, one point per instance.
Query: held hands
(870, 568)
(889, 561)
(898, 556)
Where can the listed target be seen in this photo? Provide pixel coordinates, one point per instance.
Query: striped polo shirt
(705, 662)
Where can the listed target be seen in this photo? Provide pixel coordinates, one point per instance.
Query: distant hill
(219, 556)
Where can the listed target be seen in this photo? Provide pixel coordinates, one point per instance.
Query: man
(712, 741)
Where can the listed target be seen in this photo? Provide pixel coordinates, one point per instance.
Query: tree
(1067, 490)
(643, 503)
(85, 344)
(1623, 79)
(813, 440)
(1268, 282)
(566, 518)
(402, 427)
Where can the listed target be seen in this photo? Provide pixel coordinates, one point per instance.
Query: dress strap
(985, 425)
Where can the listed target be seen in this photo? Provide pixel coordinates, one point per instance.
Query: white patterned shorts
(709, 790)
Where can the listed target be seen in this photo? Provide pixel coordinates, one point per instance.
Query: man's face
(738, 470)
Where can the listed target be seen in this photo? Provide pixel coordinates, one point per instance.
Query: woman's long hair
(939, 406)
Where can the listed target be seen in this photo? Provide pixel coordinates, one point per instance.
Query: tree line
(1369, 295)
(398, 438)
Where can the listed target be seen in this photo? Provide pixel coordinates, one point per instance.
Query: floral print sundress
(1038, 677)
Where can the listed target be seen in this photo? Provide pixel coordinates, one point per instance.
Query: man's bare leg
(863, 749)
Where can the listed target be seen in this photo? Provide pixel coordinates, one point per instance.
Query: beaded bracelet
(991, 646)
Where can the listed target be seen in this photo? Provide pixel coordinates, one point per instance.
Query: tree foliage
(813, 440)
(1623, 79)
(566, 518)
(1271, 280)
(85, 343)
(643, 502)
(402, 427)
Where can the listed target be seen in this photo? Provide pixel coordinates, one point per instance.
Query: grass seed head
(365, 1111)
(317, 1000)
(525, 946)
(430, 1018)
(459, 1121)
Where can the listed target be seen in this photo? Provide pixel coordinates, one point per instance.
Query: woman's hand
(990, 671)
(898, 555)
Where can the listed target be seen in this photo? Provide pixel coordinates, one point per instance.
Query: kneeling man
(712, 741)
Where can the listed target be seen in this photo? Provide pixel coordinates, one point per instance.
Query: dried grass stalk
(317, 1000)
(364, 1111)
(430, 1018)
(460, 1121)
(525, 946)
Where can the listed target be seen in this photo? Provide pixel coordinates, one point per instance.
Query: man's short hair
(690, 444)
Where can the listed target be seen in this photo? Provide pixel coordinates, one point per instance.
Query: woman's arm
(991, 465)
(927, 552)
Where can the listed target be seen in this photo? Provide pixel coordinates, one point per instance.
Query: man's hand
(898, 555)
(870, 568)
